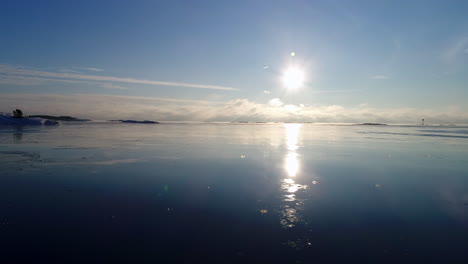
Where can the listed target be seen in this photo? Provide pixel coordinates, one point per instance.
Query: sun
(293, 78)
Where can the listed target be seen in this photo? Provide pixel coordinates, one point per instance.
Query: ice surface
(269, 193)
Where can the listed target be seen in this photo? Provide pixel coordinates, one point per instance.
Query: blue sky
(374, 56)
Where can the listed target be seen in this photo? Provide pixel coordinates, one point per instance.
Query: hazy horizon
(102, 107)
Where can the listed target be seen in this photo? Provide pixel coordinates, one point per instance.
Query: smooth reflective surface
(295, 193)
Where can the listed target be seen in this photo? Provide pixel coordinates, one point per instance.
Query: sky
(362, 61)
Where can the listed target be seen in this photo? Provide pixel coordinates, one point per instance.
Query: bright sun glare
(293, 78)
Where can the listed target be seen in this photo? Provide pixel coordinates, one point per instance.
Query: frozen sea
(224, 193)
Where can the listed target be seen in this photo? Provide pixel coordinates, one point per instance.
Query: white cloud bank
(275, 102)
(104, 107)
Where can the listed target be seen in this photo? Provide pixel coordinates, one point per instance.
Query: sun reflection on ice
(291, 187)
(289, 211)
(292, 136)
(291, 163)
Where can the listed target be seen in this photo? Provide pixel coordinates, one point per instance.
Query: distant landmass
(59, 118)
(372, 124)
(137, 122)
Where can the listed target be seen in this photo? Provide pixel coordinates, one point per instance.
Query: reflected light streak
(293, 188)
(292, 136)
(291, 163)
(290, 181)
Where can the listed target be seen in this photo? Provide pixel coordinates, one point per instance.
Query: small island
(371, 124)
(136, 121)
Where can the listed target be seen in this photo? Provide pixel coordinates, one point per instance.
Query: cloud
(379, 77)
(90, 69)
(30, 80)
(291, 108)
(105, 107)
(113, 86)
(266, 92)
(69, 71)
(335, 91)
(22, 80)
(7, 69)
(275, 102)
(78, 70)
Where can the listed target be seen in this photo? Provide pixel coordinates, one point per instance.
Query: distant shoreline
(59, 118)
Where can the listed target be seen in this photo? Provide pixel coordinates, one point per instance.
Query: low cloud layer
(105, 107)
